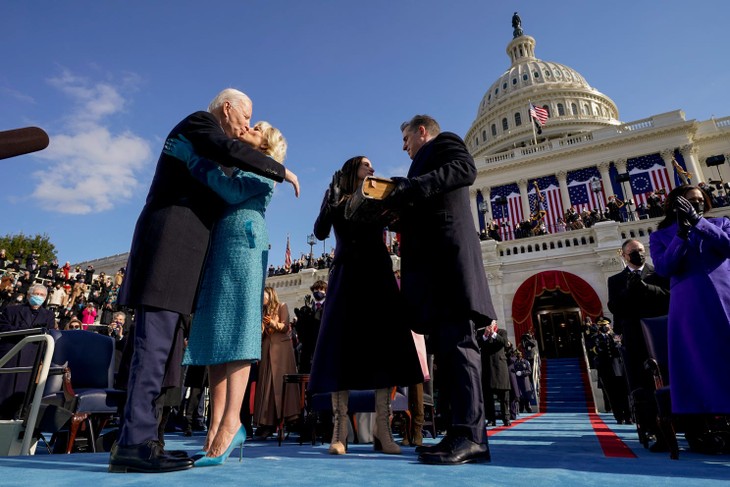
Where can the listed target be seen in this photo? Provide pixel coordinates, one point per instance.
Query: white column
(689, 153)
(563, 183)
(606, 178)
(474, 207)
(621, 168)
(522, 184)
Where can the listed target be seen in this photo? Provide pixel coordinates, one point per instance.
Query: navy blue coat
(172, 232)
(443, 278)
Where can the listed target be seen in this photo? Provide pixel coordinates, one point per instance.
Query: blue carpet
(557, 449)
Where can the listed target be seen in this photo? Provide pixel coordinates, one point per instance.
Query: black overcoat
(172, 232)
(364, 339)
(443, 278)
(495, 370)
(14, 386)
(629, 306)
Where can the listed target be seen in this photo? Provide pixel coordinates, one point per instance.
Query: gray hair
(35, 286)
(231, 95)
(120, 313)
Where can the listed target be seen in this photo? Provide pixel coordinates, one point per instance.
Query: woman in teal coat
(226, 330)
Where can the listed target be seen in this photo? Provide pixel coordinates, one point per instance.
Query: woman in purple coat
(694, 252)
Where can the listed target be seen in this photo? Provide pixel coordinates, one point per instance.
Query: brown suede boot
(415, 404)
(338, 445)
(382, 435)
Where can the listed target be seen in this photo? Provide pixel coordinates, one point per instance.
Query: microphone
(22, 141)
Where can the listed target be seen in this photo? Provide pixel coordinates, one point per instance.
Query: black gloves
(402, 194)
(333, 194)
(687, 216)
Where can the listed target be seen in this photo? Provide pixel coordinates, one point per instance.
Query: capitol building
(583, 154)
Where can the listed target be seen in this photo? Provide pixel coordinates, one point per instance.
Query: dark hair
(428, 122)
(348, 175)
(670, 215)
(319, 285)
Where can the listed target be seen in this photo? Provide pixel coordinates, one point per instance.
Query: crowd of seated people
(72, 293)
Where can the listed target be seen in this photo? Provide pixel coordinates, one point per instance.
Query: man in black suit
(447, 301)
(636, 292)
(165, 264)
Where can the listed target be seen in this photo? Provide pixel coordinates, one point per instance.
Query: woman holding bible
(364, 341)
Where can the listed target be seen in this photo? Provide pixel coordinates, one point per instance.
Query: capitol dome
(503, 120)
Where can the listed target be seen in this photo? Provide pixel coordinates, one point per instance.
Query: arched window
(561, 110)
(574, 109)
(484, 135)
(585, 109)
(505, 126)
(547, 109)
(494, 130)
(518, 119)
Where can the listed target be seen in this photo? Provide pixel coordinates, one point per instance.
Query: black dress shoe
(507, 422)
(462, 450)
(147, 457)
(440, 446)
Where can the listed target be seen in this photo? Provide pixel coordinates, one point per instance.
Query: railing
(722, 122)
(40, 376)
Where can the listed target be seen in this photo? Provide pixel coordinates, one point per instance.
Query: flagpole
(532, 123)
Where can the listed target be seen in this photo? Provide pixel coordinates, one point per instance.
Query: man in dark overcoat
(636, 292)
(495, 373)
(449, 300)
(165, 264)
(24, 316)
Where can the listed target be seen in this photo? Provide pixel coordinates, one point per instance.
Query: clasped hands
(687, 216)
(271, 326)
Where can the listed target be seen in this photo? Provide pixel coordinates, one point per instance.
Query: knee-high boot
(382, 435)
(417, 414)
(338, 445)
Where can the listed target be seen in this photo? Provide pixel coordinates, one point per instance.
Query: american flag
(552, 204)
(580, 190)
(287, 255)
(539, 114)
(511, 213)
(648, 174)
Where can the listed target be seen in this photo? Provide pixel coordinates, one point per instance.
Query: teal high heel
(237, 441)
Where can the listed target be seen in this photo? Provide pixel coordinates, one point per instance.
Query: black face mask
(318, 295)
(604, 329)
(637, 258)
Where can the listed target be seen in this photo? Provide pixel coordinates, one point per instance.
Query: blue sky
(108, 80)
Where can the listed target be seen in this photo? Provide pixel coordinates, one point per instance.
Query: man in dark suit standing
(636, 292)
(449, 300)
(165, 263)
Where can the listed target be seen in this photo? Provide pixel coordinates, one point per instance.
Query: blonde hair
(273, 306)
(275, 143)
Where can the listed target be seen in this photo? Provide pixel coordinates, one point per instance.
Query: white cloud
(92, 168)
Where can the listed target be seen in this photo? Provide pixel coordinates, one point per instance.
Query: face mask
(318, 295)
(36, 300)
(637, 258)
(699, 207)
(604, 329)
